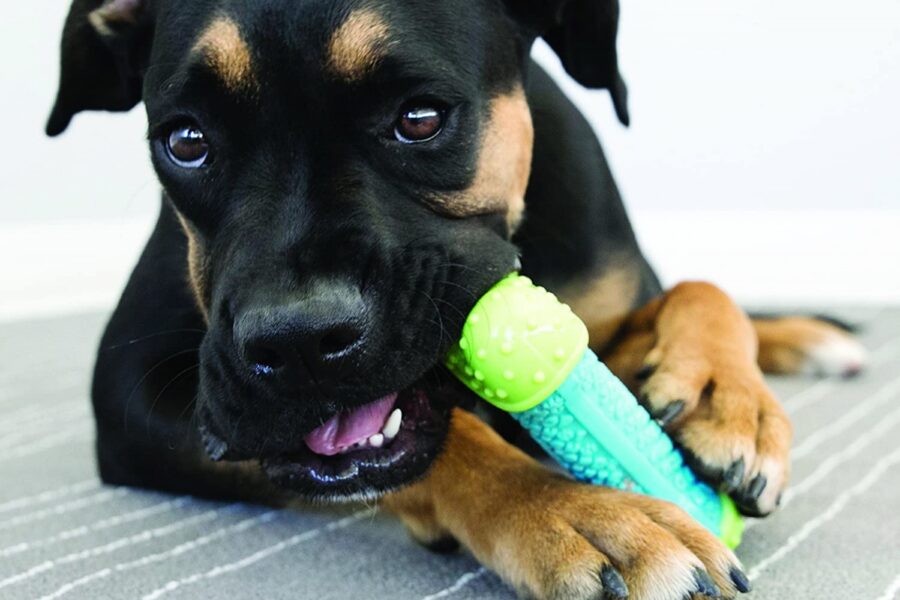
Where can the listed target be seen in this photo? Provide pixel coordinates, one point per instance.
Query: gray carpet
(64, 535)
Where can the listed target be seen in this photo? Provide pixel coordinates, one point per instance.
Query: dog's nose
(312, 338)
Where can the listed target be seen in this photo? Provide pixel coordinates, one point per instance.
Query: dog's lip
(367, 471)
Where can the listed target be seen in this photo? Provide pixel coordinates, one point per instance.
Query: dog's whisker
(437, 311)
(462, 287)
(164, 389)
(152, 336)
(453, 306)
(144, 377)
(464, 267)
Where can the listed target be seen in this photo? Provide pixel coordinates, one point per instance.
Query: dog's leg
(552, 538)
(691, 356)
(809, 345)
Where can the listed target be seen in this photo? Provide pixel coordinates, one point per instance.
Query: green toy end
(731, 528)
(518, 345)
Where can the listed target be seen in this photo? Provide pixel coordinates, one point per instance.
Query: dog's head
(349, 174)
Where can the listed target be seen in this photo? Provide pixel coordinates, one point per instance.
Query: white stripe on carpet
(100, 497)
(823, 434)
(36, 431)
(78, 433)
(178, 550)
(832, 511)
(108, 523)
(256, 556)
(138, 538)
(47, 496)
(464, 580)
(834, 461)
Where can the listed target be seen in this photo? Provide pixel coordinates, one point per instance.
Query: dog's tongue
(342, 431)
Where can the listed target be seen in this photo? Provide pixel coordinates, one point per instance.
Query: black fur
(309, 211)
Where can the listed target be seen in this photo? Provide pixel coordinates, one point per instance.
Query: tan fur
(109, 16)
(546, 535)
(358, 45)
(197, 266)
(504, 164)
(786, 344)
(604, 302)
(228, 55)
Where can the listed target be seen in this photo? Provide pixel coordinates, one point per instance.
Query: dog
(342, 180)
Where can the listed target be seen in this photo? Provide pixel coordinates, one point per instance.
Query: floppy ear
(583, 34)
(105, 46)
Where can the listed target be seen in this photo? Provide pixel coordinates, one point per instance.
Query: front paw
(568, 541)
(718, 408)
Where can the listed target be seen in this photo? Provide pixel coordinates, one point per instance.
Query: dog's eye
(419, 124)
(187, 147)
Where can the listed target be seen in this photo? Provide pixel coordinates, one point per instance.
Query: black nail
(740, 580)
(756, 487)
(669, 413)
(779, 499)
(733, 477)
(705, 584)
(645, 372)
(613, 584)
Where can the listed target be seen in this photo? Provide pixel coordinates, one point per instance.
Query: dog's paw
(718, 408)
(571, 541)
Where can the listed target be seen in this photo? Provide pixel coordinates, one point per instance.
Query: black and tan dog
(343, 178)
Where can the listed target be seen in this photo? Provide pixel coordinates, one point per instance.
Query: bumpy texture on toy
(526, 353)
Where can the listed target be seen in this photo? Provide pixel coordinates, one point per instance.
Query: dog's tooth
(392, 425)
(376, 440)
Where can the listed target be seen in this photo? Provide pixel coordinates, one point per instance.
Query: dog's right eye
(187, 147)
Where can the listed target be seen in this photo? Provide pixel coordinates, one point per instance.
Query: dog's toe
(595, 543)
(730, 427)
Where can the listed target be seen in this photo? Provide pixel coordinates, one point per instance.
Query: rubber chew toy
(526, 353)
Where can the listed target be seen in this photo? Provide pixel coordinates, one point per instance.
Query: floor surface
(62, 534)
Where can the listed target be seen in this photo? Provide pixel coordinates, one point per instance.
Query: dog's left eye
(419, 124)
(187, 147)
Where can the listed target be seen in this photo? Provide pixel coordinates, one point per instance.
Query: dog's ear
(583, 34)
(105, 45)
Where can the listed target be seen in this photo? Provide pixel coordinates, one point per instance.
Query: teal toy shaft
(591, 427)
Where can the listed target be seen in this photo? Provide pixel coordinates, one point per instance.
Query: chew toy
(526, 353)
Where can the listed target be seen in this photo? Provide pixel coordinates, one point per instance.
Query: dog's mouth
(360, 453)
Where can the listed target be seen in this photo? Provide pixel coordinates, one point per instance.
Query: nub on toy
(526, 353)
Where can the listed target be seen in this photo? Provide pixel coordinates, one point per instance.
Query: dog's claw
(733, 477)
(645, 372)
(740, 580)
(669, 413)
(614, 586)
(756, 487)
(705, 584)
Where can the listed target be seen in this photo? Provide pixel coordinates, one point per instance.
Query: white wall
(764, 154)
(758, 105)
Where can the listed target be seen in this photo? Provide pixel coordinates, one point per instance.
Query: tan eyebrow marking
(227, 54)
(358, 45)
